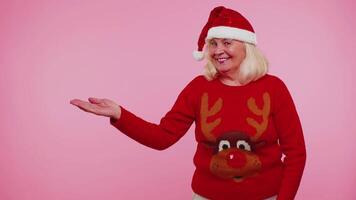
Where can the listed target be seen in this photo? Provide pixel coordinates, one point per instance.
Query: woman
(245, 118)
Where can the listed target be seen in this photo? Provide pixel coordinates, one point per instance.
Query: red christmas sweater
(241, 133)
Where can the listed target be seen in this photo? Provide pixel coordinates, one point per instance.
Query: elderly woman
(245, 118)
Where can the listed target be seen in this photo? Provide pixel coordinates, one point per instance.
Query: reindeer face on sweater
(234, 156)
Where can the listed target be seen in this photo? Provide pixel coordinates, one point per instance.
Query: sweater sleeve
(171, 128)
(291, 141)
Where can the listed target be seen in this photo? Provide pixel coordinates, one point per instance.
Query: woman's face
(226, 55)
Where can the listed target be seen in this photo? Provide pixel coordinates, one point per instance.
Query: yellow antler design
(206, 112)
(264, 112)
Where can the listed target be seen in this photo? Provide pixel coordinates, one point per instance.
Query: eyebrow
(227, 39)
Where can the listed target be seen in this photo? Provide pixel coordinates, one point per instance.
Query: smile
(221, 60)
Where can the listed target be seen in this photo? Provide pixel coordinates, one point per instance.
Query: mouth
(222, 60)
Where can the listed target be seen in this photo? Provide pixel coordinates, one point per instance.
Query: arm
(170, 129)
(292, 143)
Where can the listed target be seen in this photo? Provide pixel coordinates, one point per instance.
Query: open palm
(102, 107)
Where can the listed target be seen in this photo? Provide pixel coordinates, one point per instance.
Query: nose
(219, 49)
(236, 159)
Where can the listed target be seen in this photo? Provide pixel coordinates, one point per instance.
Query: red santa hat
(225, 23)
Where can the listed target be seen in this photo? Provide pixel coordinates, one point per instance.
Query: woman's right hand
(102, 107)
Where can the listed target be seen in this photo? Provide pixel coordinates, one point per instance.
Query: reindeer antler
(206, 112)
(264, 112)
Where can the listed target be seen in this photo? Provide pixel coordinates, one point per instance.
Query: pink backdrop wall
(138, 53)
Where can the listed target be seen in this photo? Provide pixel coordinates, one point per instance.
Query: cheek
(241, 56)
(238, 58)
(210, 53)
(210, 57)
(238, 54)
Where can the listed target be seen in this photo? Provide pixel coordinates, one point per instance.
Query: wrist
(117, 113)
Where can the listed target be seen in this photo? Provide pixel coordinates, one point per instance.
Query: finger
(75, 102)
(94, 100)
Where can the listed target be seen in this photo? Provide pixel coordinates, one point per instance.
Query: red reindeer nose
(236, 159)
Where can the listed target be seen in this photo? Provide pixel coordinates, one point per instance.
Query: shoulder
(274, 82)
(277, 88)
(273, 79)
(197, 81)
(193, 85)
(280, 91)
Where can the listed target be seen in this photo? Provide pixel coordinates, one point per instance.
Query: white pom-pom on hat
(198, 55)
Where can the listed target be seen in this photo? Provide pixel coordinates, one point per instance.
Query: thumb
(94, 100)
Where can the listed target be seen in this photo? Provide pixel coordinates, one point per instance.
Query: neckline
(240, 87)
(220, 83)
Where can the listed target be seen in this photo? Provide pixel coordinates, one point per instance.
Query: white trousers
(198, 197)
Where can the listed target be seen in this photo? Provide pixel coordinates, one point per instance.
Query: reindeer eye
(224, 144)
(242, 144)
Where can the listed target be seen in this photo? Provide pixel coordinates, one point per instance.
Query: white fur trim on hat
(198, 55)
(232, 33)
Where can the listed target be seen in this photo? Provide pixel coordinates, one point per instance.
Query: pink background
(138, 53)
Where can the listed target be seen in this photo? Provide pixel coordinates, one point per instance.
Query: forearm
(155, 136)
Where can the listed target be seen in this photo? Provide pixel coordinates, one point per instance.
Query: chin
(222, 67)
(223, 70)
